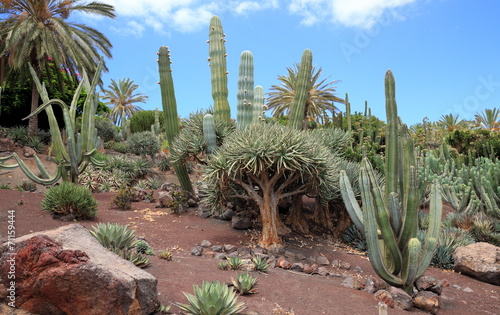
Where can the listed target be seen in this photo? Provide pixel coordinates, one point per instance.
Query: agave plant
(244, 283)
(260, 264)
(114, 237)
(211, 299)
(234, 262)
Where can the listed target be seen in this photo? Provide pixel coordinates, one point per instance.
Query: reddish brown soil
(304, 294)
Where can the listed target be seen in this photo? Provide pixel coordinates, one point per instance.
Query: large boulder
(67, 271)
(6, 145)
(479, 260)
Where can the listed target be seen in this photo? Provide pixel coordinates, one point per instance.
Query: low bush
(106, 129)
(68, 198)
(144, 143)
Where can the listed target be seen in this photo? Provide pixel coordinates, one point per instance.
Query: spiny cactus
(170, 111)
(155, 127)
(297, 115)
(245, 95)
(209, 133)
(258, 104)
(218, 69)
(80, 147)
(389, 219)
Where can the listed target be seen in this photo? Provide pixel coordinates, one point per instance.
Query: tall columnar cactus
(218, 69)
(209, 133)
(170, 111)
(155, 127)
(348, 114)
(258, 104)
(72, 160)
(245, 95)
(389, 220)
(298, 110)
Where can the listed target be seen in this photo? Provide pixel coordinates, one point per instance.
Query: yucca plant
(260, 264)
(114, 237)
(244, 283)
(213, 298)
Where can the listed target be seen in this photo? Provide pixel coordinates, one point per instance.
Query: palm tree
(37, 32)
(488, 119)
(450, 122)
(121, 96)
(321, 95)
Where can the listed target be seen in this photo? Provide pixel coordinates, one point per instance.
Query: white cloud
(133, 28)
(165, 16)
(353, 13)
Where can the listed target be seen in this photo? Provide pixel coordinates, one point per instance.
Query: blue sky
(444, 54)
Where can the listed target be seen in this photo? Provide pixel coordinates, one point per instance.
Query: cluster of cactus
(81, 147)
(389, 219)
(302, 91)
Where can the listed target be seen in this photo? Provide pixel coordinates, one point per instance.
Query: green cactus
(298, 110)
(245, 95)
(258, 104)
(209, 133)
(218, 69)
(80, 147)
(155, 127)
(7, 166)
(389, 219)
(170, 111)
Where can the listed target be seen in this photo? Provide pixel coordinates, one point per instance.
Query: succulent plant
(389, 219)
(302, 91)
(114, 237)
(244, 283)
(245, 94)
(224, 265)
(167, 255)
(235, 262)
(211, 299)
(142, 247)
(260, 264)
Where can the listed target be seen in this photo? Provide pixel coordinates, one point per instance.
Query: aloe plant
(218, 70)
(170, 112)
(389, 219)
(81, 147)
(244, 283)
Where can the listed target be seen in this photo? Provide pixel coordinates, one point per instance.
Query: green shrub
(164, 164)
(44, 136)
(68, 198)
(142, 247)
(144, 143)
(142, 120)
(235, 262)
(121, 147)
(18, 134)
(106, 129)
(260, 264)
(35, 143)
(5, 186)
(123, 199)
(212, 298)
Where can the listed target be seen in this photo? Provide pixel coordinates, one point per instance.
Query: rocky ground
(338, 290)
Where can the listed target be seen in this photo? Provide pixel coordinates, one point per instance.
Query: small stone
(230, 205)
(454, 286)
(307, 269)
(244, 251)
(283, 263)
(257, 251)
(468, 290)
(429, 283)
(385, 297)
(192, 203)
(401, 299)
(322, 260)
(209, 254)
(227, 215)
(374, 285)
(205, 244)
(28, 152)
(345, 265)
(197, 250)
(348, 282)
(358, 269)
(322, 271)
(220, 256)
(314, 268)
(336, 263)
(289, 255)
(232, 254)
(297, 267)
(229, 248)
(427, 301)
(217, 248)
(239, 223)
(300, 256)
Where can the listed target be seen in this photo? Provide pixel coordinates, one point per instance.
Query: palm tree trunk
(33, 120)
